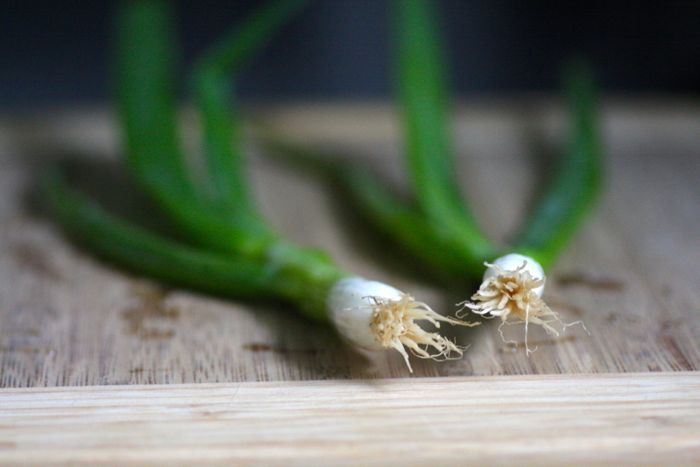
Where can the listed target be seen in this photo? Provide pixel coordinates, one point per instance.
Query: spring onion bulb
(511, 290)
(376, 316)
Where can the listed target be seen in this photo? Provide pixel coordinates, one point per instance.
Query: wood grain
(66, 318)
(641, 419)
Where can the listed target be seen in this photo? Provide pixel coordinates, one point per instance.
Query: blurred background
(56, 53)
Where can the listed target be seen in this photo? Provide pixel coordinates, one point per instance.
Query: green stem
(407, 226)
(213, 79)
(302, 278)
(576, 185)
(146, 98)
(213, 82)
(423, 95)
(146, 253)
(383, 208)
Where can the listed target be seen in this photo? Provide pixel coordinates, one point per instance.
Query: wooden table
(626, 393)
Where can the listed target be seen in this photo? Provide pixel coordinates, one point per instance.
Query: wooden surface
(641, 419)
(632, 275)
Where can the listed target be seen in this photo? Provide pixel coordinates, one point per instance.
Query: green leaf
(576, 185)
(423, 96)
(213, 82)
(300, 276)
(146, 100)
(390, 214)
(147, 253)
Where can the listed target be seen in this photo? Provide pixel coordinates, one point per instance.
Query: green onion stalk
(434, 223)
(220, 242)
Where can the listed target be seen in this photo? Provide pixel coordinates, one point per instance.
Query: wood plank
(641, 419)
(67, 318)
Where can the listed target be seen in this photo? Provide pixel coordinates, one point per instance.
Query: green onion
(436, 225)
(513, 283)
(230, 249)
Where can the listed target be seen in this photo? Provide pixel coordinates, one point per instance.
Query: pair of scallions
(216, 240)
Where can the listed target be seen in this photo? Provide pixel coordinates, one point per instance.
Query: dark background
(57, 52)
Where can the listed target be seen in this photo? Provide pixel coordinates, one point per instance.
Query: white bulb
(512, 262)
(351, 305)
(512, 291)
(376, 316)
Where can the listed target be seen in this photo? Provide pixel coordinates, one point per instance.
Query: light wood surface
(632, 275)
(641, 419)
